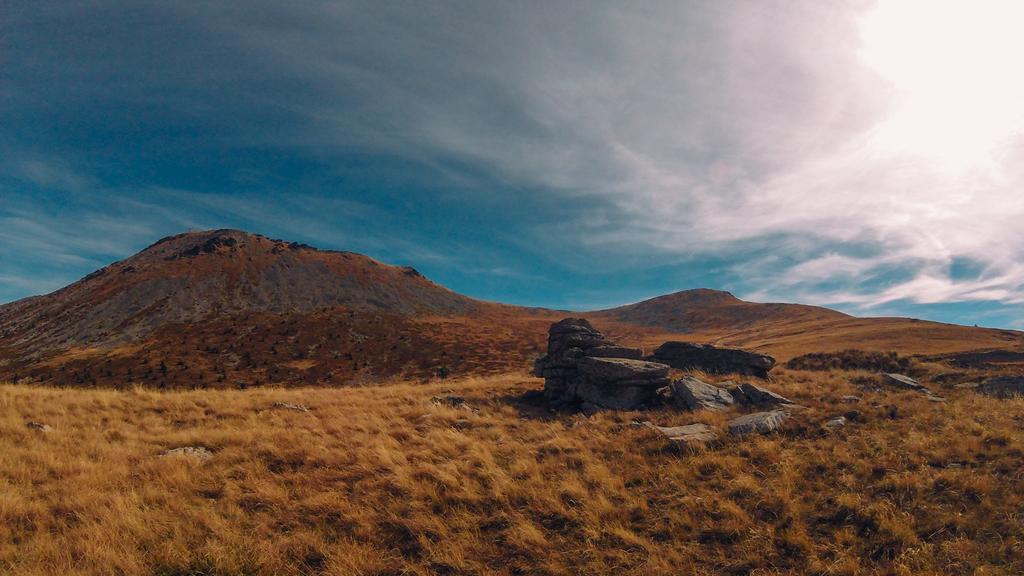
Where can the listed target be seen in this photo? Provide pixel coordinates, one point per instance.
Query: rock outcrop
(583, 368)
(1003, 387)
(620, 383)
(711, 359)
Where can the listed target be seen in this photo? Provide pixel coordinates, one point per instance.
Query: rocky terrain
(336, 415)
(229, 309)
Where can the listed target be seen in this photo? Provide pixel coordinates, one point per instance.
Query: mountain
(789, 330)
(227, 308)
(703, 309)
(198, 275)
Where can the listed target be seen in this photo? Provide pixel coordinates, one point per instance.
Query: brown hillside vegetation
(399, 479)
(789, 330)
(229, 309)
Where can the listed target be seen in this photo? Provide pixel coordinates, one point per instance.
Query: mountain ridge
(224, 306)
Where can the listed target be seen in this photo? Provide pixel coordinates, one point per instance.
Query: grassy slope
(381, 480)
(786, 339)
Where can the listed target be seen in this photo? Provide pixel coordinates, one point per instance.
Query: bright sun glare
(955, 66)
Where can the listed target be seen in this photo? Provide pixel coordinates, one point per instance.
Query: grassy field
(385, 480)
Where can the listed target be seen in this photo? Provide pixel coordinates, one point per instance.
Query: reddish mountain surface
(226, 308)
(703, 309)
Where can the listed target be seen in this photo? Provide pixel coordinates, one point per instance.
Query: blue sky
(563, 154)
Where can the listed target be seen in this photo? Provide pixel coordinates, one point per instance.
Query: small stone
(837, 422)
(850, 399)
(449, 400)
(760, 422)
(39, 426)
(901, 381)
(197, 452)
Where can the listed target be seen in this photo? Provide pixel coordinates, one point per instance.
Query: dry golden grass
(381, 480)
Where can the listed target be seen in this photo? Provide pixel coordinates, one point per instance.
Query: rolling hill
(226, 308)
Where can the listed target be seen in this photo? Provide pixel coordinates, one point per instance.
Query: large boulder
(708, 358)
(568, 342)
(1003, 387)
(754, 395)
(693, 394)
(620, 383)
(607, 351)
(573, 333)
(622, 369)
(597, 395)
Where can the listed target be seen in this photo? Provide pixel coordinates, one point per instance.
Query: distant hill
(703, 309)
(225, 308)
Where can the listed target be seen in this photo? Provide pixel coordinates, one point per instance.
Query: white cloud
(845, 140)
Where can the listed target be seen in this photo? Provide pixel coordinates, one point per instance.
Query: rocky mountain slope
(226, 308)
(199, 275)
(703, 309)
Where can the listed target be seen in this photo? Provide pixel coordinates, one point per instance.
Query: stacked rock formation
(583, 368)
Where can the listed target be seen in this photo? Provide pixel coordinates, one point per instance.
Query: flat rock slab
(689, 435)
(758, 422)
(753, 395)
(1004, 387)
(290, 406)
(694, 394)
(901, 381)
(197, 452)
(609, 370)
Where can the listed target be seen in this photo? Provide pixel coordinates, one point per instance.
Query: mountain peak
(704, 308)
(702, 294)
(190, 277)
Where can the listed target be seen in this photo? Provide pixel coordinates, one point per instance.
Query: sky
(866, 156)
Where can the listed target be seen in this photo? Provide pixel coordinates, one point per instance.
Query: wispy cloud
(796, 145)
